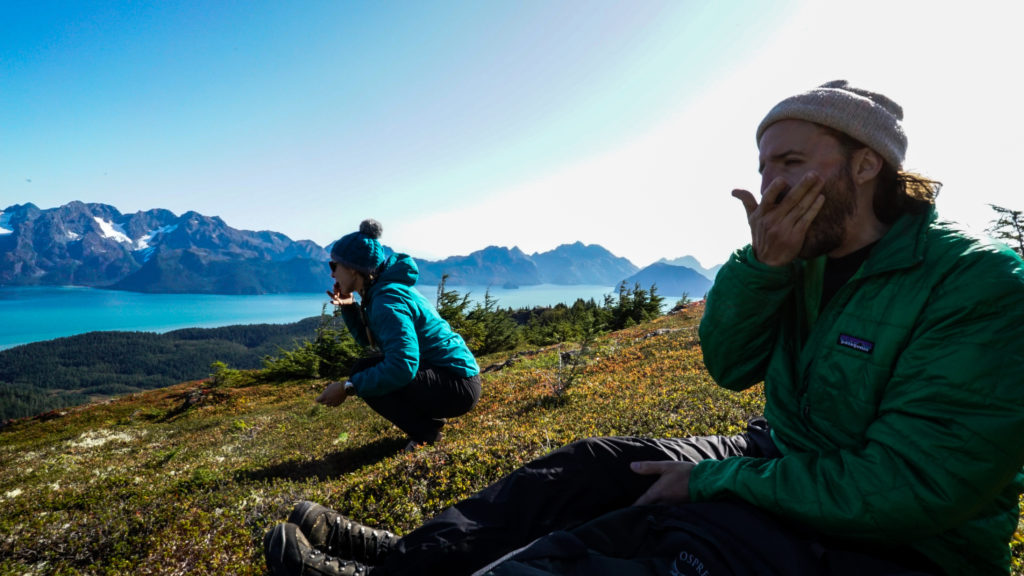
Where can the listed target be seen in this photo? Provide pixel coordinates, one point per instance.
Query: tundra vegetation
(186, 479)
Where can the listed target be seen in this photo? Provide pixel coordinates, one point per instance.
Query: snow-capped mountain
(5, 223)
(153, 251)
(158, 251)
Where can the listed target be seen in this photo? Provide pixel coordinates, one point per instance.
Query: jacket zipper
(830, 314)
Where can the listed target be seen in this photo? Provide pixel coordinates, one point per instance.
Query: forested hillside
(49, 375)
(65, 372)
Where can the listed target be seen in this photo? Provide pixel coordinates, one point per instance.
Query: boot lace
(329, 565)
(358, 542)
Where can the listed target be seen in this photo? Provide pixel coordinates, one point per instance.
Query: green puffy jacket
(407, 330)
(899, 409)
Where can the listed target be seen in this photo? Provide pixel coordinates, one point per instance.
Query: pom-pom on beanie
(868, 117)
(360, 250)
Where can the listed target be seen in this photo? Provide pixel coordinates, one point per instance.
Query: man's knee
(598, 453)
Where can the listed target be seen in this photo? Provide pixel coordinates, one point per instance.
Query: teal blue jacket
(395, 318)
(899, 408)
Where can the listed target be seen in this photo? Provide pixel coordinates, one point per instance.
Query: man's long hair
(897, 192)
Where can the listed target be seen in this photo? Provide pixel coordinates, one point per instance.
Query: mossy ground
(186, 479)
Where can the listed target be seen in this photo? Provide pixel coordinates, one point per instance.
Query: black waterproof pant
(580, 485)
(420, 407)
(565, 488)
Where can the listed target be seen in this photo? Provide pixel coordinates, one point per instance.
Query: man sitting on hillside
(890, 344)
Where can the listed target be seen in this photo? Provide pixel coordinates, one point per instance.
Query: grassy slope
(154, 484)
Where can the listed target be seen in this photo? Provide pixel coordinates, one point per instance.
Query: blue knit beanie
(360, 250)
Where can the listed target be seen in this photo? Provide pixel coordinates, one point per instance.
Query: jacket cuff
(746, 256)
(744, 271)
(702, 477)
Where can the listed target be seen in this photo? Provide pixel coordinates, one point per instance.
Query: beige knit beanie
(869, 117)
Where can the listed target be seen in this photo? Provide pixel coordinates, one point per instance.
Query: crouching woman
(422, 372)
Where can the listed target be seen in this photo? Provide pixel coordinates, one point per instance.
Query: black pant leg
(441, 394)
(565, 488)
(420, 407)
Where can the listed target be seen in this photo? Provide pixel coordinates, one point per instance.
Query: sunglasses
(333, 265)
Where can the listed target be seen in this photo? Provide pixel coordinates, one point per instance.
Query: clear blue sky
(465, 124)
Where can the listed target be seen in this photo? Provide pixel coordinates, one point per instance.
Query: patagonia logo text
(856, 343)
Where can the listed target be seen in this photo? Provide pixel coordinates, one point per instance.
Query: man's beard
(828, 230)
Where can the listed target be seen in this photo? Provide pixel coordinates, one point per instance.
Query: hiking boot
(288, 553)
(339, 536)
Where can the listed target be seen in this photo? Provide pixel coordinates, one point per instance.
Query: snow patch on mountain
(143, 243)
(5, 223)
(113, 231)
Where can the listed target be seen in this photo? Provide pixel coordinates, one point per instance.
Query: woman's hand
(672, 488)
(339, 298)
(333, 395)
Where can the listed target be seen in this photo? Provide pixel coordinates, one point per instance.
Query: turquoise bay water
(33, 314)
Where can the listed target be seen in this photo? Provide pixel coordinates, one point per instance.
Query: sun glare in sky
(460, 125)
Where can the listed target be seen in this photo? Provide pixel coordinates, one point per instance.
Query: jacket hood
(398, 269)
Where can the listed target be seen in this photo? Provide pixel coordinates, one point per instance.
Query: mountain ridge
(157, 251)
(693, 264)
(672, 281)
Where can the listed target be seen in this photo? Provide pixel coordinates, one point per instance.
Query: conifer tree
(1009, 227)
(454, 308)
(496, 330)
(634, 306)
